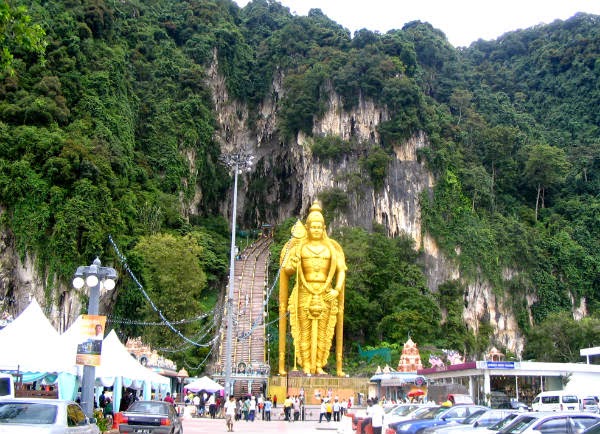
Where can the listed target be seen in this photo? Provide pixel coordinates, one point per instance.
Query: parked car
(149, 417)
(482, 419)
(404, 412)
(551, 422)
(555, 400)
(7, 386)
(495, 427)
(437, 416)
(589, 403)
(513, 405)
(594, 429)
(44, 416)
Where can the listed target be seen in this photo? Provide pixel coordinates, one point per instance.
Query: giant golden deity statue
(316, 303)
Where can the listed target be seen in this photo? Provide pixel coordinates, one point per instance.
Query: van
(555, 400)
(589, 404)
(7, 386)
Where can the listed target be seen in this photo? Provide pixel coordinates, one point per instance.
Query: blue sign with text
(501, 365)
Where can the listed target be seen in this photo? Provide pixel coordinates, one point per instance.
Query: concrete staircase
(250, 368)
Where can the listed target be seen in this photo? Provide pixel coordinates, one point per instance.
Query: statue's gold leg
(282, 370)
(314, 343)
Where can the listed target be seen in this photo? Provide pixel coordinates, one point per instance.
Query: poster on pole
(92, 334)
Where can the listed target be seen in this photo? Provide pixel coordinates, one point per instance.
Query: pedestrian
(274, 401)
(329, 410)
(102, 400)
(169, 399)
(246, 408)
(336, 410)
(260, 402)
(252, 409)
(268, 406)
(212, 406)
(196, 401)
(322, 410)
(287, 408)
(230, 409)
(296, 408)
(376, 414)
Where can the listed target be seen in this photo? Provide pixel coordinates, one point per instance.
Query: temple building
(400, 384)
(410, 360)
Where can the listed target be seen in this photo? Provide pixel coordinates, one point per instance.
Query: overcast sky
(463, 21)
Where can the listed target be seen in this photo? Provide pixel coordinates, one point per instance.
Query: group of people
(247, 408)
(333, 409)
(206, 404)
(105, 403)
(292, 407)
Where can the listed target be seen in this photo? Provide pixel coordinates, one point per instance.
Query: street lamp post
(94, 276)
(236, 162)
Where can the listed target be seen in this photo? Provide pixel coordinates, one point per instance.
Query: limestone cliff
(297, 177)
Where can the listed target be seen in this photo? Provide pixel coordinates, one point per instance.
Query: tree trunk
(537, 201)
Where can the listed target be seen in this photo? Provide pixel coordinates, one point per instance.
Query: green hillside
(107, 127)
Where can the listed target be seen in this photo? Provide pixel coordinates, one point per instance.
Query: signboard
(92, 334)
(500, 365)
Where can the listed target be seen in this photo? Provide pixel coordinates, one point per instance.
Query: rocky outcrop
(395, 206)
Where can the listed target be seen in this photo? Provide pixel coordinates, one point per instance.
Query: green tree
(545, 166)
(18, 35)
(560, 337)
(174, 279)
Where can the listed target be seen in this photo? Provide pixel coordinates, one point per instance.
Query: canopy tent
(31, 344)
(203, 383)
(117, 367)
(33, 347)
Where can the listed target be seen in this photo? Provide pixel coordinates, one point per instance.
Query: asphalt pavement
(210, 426)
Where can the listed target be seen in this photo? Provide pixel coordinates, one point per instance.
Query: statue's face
(315, 230)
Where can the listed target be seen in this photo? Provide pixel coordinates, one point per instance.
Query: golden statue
(316, 304)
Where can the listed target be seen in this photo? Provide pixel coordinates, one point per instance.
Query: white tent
(116, 361)
(31, 344)
(117, 367)
(203, 383)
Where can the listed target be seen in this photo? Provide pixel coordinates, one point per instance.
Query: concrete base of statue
(314, 388)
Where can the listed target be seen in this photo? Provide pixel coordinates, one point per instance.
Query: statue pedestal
(316, 387)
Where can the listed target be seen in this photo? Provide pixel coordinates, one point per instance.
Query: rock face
(297, 177)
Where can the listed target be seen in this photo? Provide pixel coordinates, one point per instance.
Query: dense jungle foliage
(107, 128)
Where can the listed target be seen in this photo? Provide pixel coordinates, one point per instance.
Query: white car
(551, 422)
(44, 416)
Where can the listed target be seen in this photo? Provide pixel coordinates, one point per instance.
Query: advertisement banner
(92, 334)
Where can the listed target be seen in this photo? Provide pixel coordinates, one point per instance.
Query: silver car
(481, 419)
(44, 416)
(551, 422)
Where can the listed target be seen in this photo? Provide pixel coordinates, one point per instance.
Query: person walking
(252, 409)
(268, 406)
(230, 413)
(377, 415)
(323, 410)
(296, 408)
(287, 408)
(336, 410)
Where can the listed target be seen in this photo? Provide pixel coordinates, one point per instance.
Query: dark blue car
(437, 416)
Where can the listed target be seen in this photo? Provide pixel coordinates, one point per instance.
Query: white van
(7, 386)
(555, 400)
